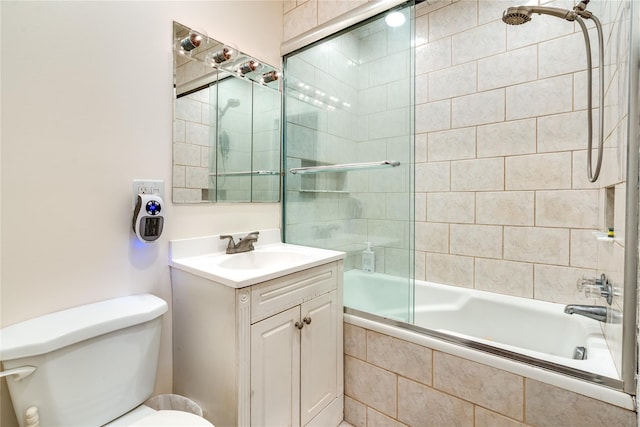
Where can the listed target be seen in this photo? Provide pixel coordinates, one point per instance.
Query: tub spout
(597, 312)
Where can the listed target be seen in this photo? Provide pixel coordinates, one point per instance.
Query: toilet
(92, 365)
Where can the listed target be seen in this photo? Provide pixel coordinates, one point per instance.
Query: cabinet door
(275, 370)
(318, 355)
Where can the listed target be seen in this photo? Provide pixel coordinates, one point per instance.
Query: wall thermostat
(148, 218)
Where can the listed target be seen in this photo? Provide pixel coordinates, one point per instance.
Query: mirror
(226, 125)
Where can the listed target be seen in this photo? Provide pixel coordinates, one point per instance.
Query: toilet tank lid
(56, 330)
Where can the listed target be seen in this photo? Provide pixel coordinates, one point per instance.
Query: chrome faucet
(597, 312)
(245, 244)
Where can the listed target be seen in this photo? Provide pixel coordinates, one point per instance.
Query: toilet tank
(93, 362)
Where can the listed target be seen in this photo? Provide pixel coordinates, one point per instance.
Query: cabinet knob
(299, 325)
(307, 320)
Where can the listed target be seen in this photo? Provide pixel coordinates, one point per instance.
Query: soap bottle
(368, 259)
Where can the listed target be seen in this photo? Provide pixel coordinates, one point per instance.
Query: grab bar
(244, 173)
(345, 167)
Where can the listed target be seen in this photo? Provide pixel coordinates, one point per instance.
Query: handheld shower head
(516, 15)
(231, 103)
(522, 14)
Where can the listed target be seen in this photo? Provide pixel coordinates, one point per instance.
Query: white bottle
(368, 259)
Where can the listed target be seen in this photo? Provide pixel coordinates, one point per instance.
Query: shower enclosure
(349, 149)
(463, 163)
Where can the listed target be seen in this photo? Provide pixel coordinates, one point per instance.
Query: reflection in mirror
(226, 138)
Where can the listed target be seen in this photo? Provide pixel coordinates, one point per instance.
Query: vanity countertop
(206, 257)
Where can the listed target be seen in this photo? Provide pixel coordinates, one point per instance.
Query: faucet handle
(232, 243)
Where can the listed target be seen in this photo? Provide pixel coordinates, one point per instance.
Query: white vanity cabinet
(269, 354)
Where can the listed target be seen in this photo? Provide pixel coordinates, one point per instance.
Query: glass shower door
(349, 158)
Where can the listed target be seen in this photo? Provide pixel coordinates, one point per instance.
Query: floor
(345, 424)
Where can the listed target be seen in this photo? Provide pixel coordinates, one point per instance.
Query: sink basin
(261, 259)
(206, 257)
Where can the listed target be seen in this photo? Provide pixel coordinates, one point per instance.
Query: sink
(261, 259)
(206, 257)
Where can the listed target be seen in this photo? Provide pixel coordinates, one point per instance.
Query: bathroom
(87, 91)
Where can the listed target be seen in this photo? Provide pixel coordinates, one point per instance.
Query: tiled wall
(504, 204)
(390, 382)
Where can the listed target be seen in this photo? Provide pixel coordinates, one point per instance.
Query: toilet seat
(144, 416)
(170, 418)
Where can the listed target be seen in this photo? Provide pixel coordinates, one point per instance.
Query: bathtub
(485, 326)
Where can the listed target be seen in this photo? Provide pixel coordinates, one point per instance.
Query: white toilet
(92, 365)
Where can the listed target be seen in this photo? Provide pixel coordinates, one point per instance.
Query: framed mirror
(227, 123)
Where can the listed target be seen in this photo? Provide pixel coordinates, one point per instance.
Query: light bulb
(269, 77)
(249, 67)
(191, 42)
(223, 55)
(395, 19)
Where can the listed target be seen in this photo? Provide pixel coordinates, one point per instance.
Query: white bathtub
(537, 329)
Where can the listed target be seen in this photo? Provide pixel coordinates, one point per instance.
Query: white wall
(87, 108)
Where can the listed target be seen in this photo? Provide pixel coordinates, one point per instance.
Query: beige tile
(562, 55)
(567, 208)
(376, 419)
(476, 240)
(355, 413)
(534, 244)
(433, 177)
(507, 138)
(355, 341)
(454, 144)
(584, 249)
(432, 237)
(452, 81)
(446, 21)
(547, 405)
(402, 357)
(420, 267)
(421, 207)
(434, 55)
(538, 172)
(485, 418)
(478, 109)
(558, 284)
(450, 269)
(483, 385)
(477, 175)
(509, 68)
(328, 9)
(540, 97)
(451, 207)
(302, 18)
(504, 277)
(562, 132)
(505, 208)
(423, 406)
(465, 46)
(370, 385)
(433, 116)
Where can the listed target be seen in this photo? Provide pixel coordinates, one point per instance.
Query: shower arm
(593, 176)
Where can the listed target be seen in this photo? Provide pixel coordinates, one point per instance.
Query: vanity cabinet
(265, 355)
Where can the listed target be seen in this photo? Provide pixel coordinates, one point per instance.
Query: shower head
(231, 103)
(522, 14)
